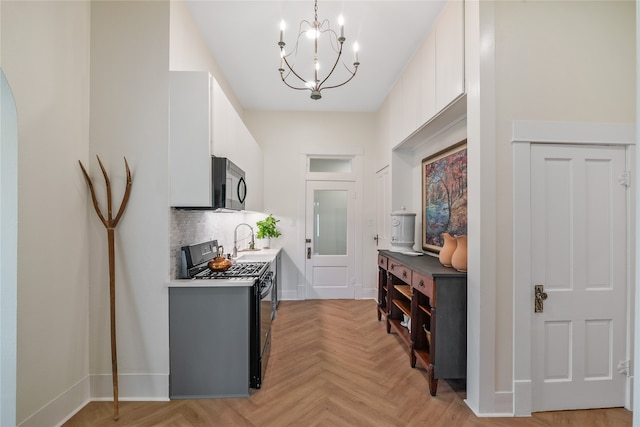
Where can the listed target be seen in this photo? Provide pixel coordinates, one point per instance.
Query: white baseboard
(131, 387)
(503, 403)
(368, 293)
(288, 295)
(60, 409)
(502, 406)
(523, 397)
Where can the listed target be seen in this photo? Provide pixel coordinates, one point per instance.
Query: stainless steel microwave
(229, 186)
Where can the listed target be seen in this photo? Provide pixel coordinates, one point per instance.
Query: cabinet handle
(404, 274)
(421, 283)
(393, 266)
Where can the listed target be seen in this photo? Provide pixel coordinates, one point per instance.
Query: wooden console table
(434, 298)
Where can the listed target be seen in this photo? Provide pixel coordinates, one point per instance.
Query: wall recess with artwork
(444, 196)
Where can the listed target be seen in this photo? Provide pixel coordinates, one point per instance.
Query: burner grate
(237, 270)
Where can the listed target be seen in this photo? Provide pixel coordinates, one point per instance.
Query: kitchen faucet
(235, 239)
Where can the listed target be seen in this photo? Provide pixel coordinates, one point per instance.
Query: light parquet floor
(333, 364)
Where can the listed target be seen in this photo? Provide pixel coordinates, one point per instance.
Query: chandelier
(318, 32)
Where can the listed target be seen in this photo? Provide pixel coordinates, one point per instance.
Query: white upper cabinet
(433, 79)
(204, 123)
(232, 139)
(449, 54)
(190, 138)
(426, 58)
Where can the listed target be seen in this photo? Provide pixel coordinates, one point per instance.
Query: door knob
(539, 296)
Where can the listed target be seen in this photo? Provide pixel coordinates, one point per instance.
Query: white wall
(129, 117)
(45, 55)
(283, 137)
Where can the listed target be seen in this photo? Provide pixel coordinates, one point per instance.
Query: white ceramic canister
(403, 227)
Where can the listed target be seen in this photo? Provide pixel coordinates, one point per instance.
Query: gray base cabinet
(425, 303)
(209, 342)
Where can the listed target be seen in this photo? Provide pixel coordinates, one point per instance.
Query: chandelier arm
(333, 68)
(293, 87)
(332, 32)
(353, 74)
(283, 78)
(292, 71)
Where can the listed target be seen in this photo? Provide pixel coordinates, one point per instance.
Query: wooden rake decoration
(110, 224)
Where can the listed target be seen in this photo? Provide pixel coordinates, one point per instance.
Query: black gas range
(257, 275)
(195, 259)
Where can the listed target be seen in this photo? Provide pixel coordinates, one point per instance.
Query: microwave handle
(242, 190)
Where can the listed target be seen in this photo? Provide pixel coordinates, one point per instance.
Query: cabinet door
(410, 85)
(449, 328)
(427, 100)
(395, 115)
(449, 54)
(190, 139)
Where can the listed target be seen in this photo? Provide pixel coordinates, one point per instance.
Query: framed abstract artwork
(444, 196)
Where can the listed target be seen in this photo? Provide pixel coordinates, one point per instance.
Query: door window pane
(330, 222)
(330, 165)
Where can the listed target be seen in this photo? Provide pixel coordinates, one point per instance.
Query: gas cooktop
(195, 260)
(242, 270)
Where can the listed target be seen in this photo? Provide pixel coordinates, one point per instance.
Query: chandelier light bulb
(312, 33)
(341, 23)
(283, 25)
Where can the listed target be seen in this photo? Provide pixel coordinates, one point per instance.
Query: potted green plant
(267, 230)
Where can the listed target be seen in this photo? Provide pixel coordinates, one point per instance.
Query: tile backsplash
(195, 226)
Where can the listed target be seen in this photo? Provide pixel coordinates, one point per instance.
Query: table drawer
(400, 271)
(423, 284)
(382, 261)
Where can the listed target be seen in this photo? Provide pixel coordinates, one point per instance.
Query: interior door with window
(330, 240)
(579, 258)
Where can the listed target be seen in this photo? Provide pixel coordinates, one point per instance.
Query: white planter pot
(263, 243)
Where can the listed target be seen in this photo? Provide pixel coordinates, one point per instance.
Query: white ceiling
(243, 37)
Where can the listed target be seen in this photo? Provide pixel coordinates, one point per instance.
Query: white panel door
(330, 236)
(579, 243)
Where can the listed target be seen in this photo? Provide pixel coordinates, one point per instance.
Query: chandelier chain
(315, 11)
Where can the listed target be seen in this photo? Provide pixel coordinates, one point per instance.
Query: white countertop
(261, 255)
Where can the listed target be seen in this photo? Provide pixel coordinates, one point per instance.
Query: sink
(252, 257)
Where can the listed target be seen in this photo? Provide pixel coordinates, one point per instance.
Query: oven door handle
(268, 285)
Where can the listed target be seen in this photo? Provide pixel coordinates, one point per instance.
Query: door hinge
(624, 179)
(623, 367)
